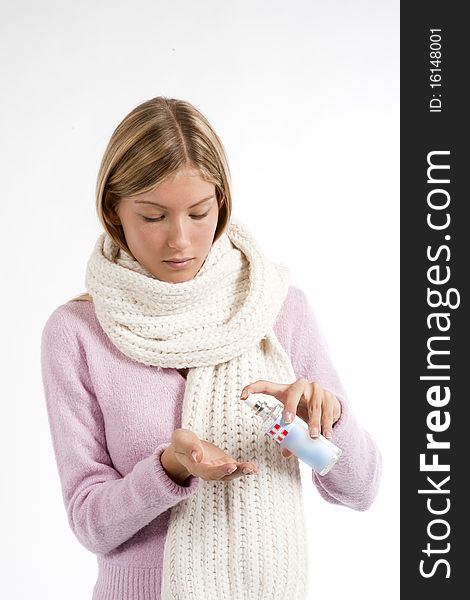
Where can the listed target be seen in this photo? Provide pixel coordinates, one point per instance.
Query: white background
(304, 96)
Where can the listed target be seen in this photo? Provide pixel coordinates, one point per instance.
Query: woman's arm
(104, 509)
(354, 480)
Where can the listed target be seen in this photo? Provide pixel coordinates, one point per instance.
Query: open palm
(212, 461)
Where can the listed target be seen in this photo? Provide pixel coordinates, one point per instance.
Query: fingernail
(247, 471)
(314, 431)
(194, 455)
(288, 417)
(244, 394)
(328, 435)
(231, 470)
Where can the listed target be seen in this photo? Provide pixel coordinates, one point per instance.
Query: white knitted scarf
(243, 539)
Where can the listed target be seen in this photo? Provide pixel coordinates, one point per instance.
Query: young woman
(165, 474)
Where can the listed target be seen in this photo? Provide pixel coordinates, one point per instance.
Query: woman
(165, 474)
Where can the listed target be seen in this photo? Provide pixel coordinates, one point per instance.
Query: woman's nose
(178, 236)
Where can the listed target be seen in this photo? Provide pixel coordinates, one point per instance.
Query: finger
(231, 470)
(242, 470)
(197, 454)
(263, 387)
(293, 395)
(337, 410)
(190, 456)
(250, 466)
(216, 472)
(314, 396)
(236, 473)
(228, 469)
(327, 415)
(286, 453)
(185, 441)
(186, 446)
(247, 468)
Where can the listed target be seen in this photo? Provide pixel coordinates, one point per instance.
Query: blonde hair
(155, 140)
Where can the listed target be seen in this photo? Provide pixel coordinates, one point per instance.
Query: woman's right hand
(211, 462)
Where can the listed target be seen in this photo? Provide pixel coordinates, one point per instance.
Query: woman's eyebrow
(161, 205)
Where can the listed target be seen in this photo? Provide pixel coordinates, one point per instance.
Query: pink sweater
(111, 418)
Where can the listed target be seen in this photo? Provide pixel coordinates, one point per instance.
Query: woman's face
(176, 220)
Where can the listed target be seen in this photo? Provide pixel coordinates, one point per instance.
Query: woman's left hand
(309, 400)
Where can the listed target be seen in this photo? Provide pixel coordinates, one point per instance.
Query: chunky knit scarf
(231, 540)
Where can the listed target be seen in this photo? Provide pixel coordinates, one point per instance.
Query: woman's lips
(178, 264)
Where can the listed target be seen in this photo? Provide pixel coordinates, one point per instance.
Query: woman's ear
(114, 217)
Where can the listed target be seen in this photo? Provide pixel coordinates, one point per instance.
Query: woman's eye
(157, 219)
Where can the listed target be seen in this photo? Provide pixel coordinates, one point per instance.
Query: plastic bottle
(318, 453)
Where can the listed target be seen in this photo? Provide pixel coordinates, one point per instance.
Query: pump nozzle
(250, 400)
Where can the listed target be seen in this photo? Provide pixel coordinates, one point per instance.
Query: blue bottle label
(318, 453)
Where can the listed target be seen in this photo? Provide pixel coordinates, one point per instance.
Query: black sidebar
(434, 303)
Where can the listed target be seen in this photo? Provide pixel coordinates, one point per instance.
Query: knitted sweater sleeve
(104, 509)
(354, 480)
